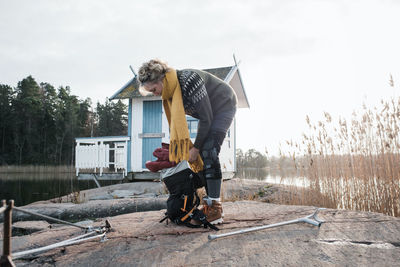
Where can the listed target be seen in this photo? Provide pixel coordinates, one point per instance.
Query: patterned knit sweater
(204, 95)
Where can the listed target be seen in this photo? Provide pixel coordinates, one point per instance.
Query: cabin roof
(229, 74)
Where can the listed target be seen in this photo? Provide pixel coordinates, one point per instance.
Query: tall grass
(352, 164)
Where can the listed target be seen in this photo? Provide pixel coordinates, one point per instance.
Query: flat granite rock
(116, 191)
(346, 238)
(29, 227)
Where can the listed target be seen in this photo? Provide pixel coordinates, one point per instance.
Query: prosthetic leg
(212, 207)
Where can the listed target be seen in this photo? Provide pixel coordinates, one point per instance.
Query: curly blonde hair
(152, 71)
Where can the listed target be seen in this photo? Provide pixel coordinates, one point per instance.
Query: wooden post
(6, 260)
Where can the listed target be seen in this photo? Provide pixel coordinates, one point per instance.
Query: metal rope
(52, 219)
(59, 244)
(101, 230)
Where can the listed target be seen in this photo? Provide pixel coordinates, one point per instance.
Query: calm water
(26, 188)
(263, 174)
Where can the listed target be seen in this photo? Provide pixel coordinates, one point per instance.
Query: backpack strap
(188, 214)
(199, 216)
(193, 210)
(163, 219)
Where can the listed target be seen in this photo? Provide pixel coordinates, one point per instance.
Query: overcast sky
(297, 57)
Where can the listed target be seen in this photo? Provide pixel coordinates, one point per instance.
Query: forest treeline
(255, 164)
(250, 159)
(39, 123)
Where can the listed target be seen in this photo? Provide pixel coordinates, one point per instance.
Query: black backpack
(183, 201)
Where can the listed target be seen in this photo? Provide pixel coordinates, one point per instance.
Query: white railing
(94, 153)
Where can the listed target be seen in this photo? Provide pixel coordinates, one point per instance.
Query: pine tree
(48, 126)
(27, 107)
(6, 123)
(112, 118)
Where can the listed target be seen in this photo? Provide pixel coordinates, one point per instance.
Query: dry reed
(352, 165)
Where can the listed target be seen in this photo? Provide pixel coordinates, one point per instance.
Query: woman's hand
(193, 154)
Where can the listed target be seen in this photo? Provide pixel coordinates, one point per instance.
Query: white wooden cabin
(147, 129)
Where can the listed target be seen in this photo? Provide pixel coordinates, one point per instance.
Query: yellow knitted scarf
(180, 142)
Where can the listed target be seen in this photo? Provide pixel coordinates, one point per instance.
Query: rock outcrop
(347, 238)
